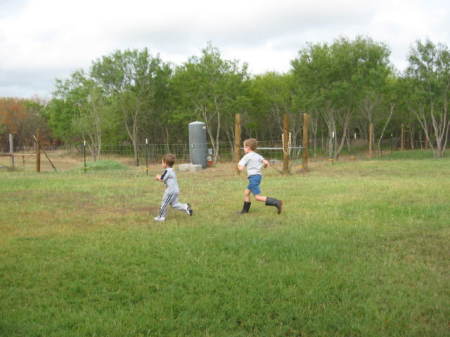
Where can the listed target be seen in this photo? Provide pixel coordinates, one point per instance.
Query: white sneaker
(189, 210)
(159, 218)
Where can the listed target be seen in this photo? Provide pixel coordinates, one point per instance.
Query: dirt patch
(66, 199)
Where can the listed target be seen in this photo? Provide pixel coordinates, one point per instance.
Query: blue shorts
(253, 184)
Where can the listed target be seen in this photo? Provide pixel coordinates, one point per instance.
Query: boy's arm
(242, 163)
(161, 177)
(266, 163)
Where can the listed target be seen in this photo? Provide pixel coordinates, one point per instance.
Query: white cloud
(44, 39)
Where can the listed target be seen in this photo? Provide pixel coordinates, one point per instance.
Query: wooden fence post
(237, 140)
(370, 140)
(84, 156)
(38, 151)
(11, 149)
(146, 155)
(305, 154)
(286, 143)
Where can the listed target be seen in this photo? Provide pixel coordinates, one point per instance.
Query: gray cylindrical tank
(198, 145)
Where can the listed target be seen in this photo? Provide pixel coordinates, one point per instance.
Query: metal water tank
(198, 145)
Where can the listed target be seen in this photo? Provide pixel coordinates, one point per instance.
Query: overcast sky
(41, 40)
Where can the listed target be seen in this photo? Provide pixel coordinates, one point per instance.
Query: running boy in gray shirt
(254, 164)
(170, 197)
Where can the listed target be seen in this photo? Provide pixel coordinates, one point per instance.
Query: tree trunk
(216, 153)
(167, 135)
(330, 121)
(212, 139)
(440, 127)
(411, 136)
(349, 145)
(371, 137)
(391, 111)
(344, 134)
(314, 128)
(98, 131)
(135, 142)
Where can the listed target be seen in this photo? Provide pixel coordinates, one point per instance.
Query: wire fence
(154, 152)
(226, 149)
(69, 156)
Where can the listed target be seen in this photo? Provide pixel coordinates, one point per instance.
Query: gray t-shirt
(253, 162)
(170, 180)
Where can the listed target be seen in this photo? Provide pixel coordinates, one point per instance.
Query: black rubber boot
(246, 207)
(275, 202)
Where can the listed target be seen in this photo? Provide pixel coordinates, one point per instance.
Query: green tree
(59, 114)
(87, 107)
(210, 88)
(429, 71)
(157, 123)
(391, 108)
(129, 79)
(374, 70)
(271, 98)
(336, 79)
(314, 75)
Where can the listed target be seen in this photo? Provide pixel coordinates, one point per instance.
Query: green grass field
(361, 249)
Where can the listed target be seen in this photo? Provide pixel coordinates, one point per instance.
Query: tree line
(345, 86)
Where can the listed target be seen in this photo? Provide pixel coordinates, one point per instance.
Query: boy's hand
(266, 163)
(158, 177)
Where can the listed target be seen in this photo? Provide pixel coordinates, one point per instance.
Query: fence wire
(69, 156)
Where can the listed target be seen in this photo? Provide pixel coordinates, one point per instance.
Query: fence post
(84, 155)
(370, 140)
(38, 150)
(305, 154)
(237, 140)
(286, 143)
(146, 155)
(11, 149)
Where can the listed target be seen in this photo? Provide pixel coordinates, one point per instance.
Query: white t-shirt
(253, 162)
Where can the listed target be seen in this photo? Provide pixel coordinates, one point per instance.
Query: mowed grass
(361, 249)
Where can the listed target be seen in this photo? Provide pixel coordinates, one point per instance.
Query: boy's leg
(180, 206)
(247, 195)
(253, 187)
(260, 197)
(166, 201)
(271, 202)
(247, 203)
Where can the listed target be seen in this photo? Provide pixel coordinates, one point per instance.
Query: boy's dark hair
(251, 143)
(169, 159)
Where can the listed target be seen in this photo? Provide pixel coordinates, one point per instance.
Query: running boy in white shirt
(254, 164)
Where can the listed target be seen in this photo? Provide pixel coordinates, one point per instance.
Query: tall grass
(361, 249)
